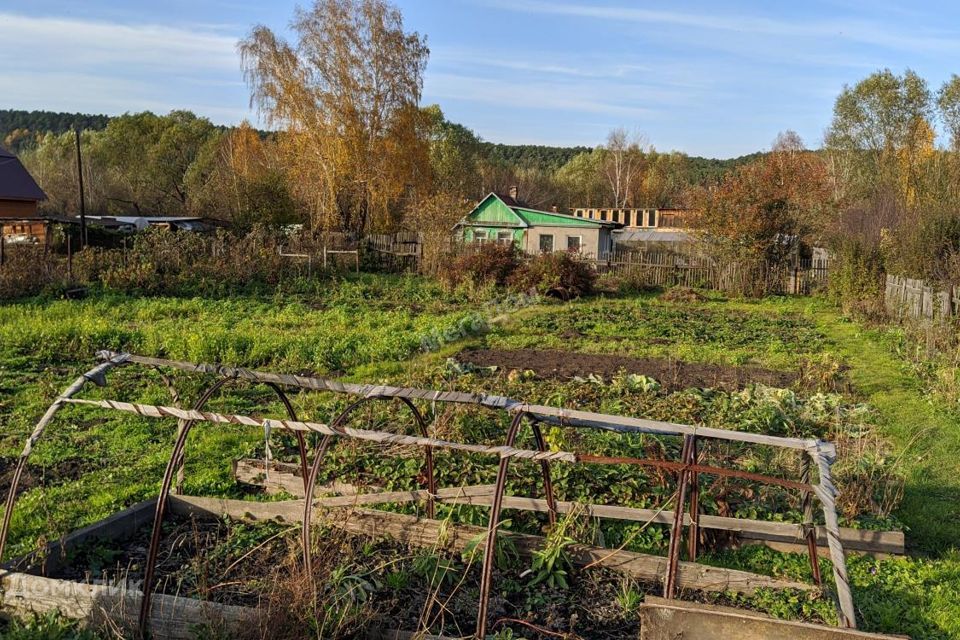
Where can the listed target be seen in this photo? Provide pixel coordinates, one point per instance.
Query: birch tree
(345, 95)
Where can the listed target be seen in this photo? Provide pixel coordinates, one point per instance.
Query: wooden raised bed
(26, 590)
(782, 536)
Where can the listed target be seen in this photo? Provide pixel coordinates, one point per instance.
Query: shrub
(490, 264)
(857, 279)
(27, 270)
(556, 274)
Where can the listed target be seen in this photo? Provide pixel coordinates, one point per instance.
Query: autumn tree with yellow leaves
(345, 97)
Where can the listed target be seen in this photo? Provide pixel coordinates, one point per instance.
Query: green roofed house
(501, 218)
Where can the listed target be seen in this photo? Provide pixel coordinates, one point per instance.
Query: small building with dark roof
(19, 196)
(19, 192)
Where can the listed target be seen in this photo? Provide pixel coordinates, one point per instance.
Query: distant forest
(183, 164)
(19, 130)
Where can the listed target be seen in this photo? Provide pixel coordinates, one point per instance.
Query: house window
(652, 218)
(504, 237)
(574, 243)
(479, 236)
(546, 243)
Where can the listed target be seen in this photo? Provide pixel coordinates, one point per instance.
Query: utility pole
(83, 208)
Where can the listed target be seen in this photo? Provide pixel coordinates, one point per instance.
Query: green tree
(880, 134)
(454, 153)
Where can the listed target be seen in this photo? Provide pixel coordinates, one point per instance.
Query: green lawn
(371, 328)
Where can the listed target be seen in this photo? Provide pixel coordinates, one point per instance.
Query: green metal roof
(494, 211)
(533, 217)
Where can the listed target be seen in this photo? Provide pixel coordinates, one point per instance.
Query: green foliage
(48, 626)
(857, 278)
(550, 565)
(629, 597)
(436, 569)
(19, 129)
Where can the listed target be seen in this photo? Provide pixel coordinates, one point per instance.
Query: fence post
(70, 257)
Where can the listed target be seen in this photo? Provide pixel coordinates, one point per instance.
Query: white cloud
(451, 86)
(69, 64)
(859, 31)
(56, 43)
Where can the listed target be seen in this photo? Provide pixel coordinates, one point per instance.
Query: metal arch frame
(493, 524)
(175, 464)
(97, 375)
(821, 454)
(311, 482)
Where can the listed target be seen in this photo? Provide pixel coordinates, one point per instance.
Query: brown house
(19, 196)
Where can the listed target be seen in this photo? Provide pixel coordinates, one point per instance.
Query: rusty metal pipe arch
(492, 526)
(97, 375)
(173, 464)
(311, 482)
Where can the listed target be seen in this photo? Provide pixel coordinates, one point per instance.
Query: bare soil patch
(33, 476)
(672, 374)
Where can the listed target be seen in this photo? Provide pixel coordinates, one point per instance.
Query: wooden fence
(665, 269)
(910, 298)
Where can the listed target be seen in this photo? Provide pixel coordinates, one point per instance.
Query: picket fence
(666, 269)
(911, 298)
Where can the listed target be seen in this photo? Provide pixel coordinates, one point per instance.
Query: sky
(717, 79)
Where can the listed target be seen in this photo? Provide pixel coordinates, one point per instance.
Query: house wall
(35, 228)
(592, 241)
(470, 234)
(18, 208)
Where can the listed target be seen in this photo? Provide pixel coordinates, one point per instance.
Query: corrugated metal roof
(652, 235)
(527, 216)
(16, 183)
(546, 218)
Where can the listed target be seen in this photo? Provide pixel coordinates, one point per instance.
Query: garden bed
(232, 567)
(672, 374)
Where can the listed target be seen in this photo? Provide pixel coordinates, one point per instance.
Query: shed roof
(16, 183)
(653, 235)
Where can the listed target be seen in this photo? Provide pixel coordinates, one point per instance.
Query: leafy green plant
(628, 597)
(504, 551)
(435, 569)
(47, 626)
(550, 564)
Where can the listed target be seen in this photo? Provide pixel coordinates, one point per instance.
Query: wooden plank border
(424, 532)
(783, 536)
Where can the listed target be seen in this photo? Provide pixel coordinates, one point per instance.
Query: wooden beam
(450, 493)
(424, 532)
(119, 525)
(782, 536)
(103, 606)
(781, 533)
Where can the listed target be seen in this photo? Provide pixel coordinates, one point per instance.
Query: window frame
(544, 236)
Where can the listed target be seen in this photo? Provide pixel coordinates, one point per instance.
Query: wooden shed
(19, 197)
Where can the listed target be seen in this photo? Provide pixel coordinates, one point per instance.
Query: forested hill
(531, 155)
(18, 127)
(699, 170)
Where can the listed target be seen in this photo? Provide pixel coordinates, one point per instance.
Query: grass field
(851, 385)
